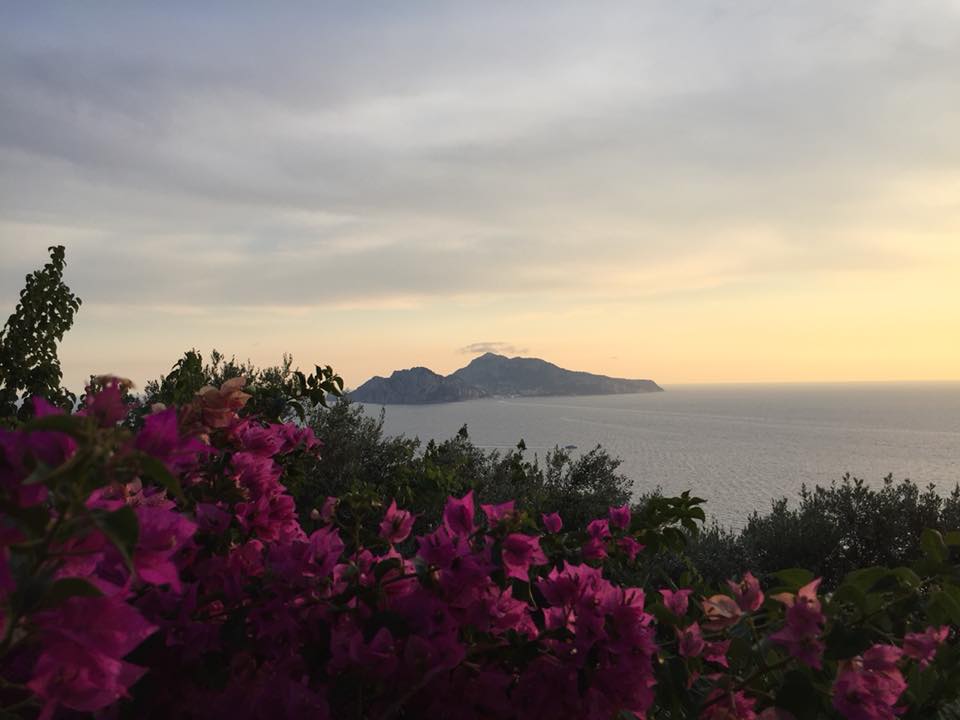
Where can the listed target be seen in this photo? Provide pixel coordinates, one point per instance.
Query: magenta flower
(620, 516)
(81, 662)
(598, 531)
(378, 657)
(801, 634)
(630, 547)
(162, 533)
(676, 601)
(325, 549)
(496, 513)
(922, 647)
(458, 515)
(868, 687)
(690, 642)
(160, 437)
(107, 405)
(747, 593)
(295, 438)
(53, 448)
(257, 439)
(328, 512)
(396, 524)
(212, 518)
(440, 547)
(716, 652)
(552, 522)
(519, 552)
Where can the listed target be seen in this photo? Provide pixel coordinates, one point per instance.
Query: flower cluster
(167, 569)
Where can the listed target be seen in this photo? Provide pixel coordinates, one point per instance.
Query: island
(492, 375)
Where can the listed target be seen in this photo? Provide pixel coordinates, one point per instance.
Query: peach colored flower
(721, 612)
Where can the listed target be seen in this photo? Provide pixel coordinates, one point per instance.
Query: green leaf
(952, 538)
(794, 578)
(866, 578)
(907, 577)
(846, 642)
(66, 588)
(849, 592)
(952, 590)
(947, 605)
(122, 529)
(921, 682)
(157, 471)
(69, 424)
(933, 545)
(798, 696)
(33, 519)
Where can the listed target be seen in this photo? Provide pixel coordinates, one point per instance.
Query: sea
(740, 447)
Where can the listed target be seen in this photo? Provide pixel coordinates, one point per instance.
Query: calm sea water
(738, 446)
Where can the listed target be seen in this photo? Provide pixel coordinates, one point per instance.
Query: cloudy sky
(688, 191)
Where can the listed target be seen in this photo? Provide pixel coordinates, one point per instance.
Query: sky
(694, 191)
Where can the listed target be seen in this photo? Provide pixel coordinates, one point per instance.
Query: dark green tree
(29, 364)
(277, 393)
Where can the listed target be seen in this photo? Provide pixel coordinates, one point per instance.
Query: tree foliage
(831, 530)
(29, 365)
(277, 392)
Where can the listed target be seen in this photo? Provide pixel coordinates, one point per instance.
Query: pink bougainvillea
(215, 601)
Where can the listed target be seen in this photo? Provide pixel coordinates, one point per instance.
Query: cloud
(365, 157)
(499, 348)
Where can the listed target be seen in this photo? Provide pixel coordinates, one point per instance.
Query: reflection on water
(739, 446)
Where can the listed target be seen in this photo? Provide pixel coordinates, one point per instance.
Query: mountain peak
(496, 375)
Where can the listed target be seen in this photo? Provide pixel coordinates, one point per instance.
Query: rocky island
(492, 375)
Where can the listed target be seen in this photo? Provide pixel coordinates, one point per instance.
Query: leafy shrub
(163, 572)
(832, 531)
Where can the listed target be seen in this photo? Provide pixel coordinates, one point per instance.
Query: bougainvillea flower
(83, 642)
(396, 524)
(690, 642)
(630, 547)
(80, 679)
(161, 438)
(620, 516)
(922, 647)
(212, 518)
(496, 513)
(218, 406)
(328, 512)
(747, 593)
(378, 657)
(325, 549)
(441, 547)
(255, 438)
(458, 515)
(519, 552)
(51, 448)
(162, 533)
(552, 522)
(721, 612)
(106, 405)
(598, 531)
(676, 601)
(869, 686)
(716, 652)
(801, 633)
